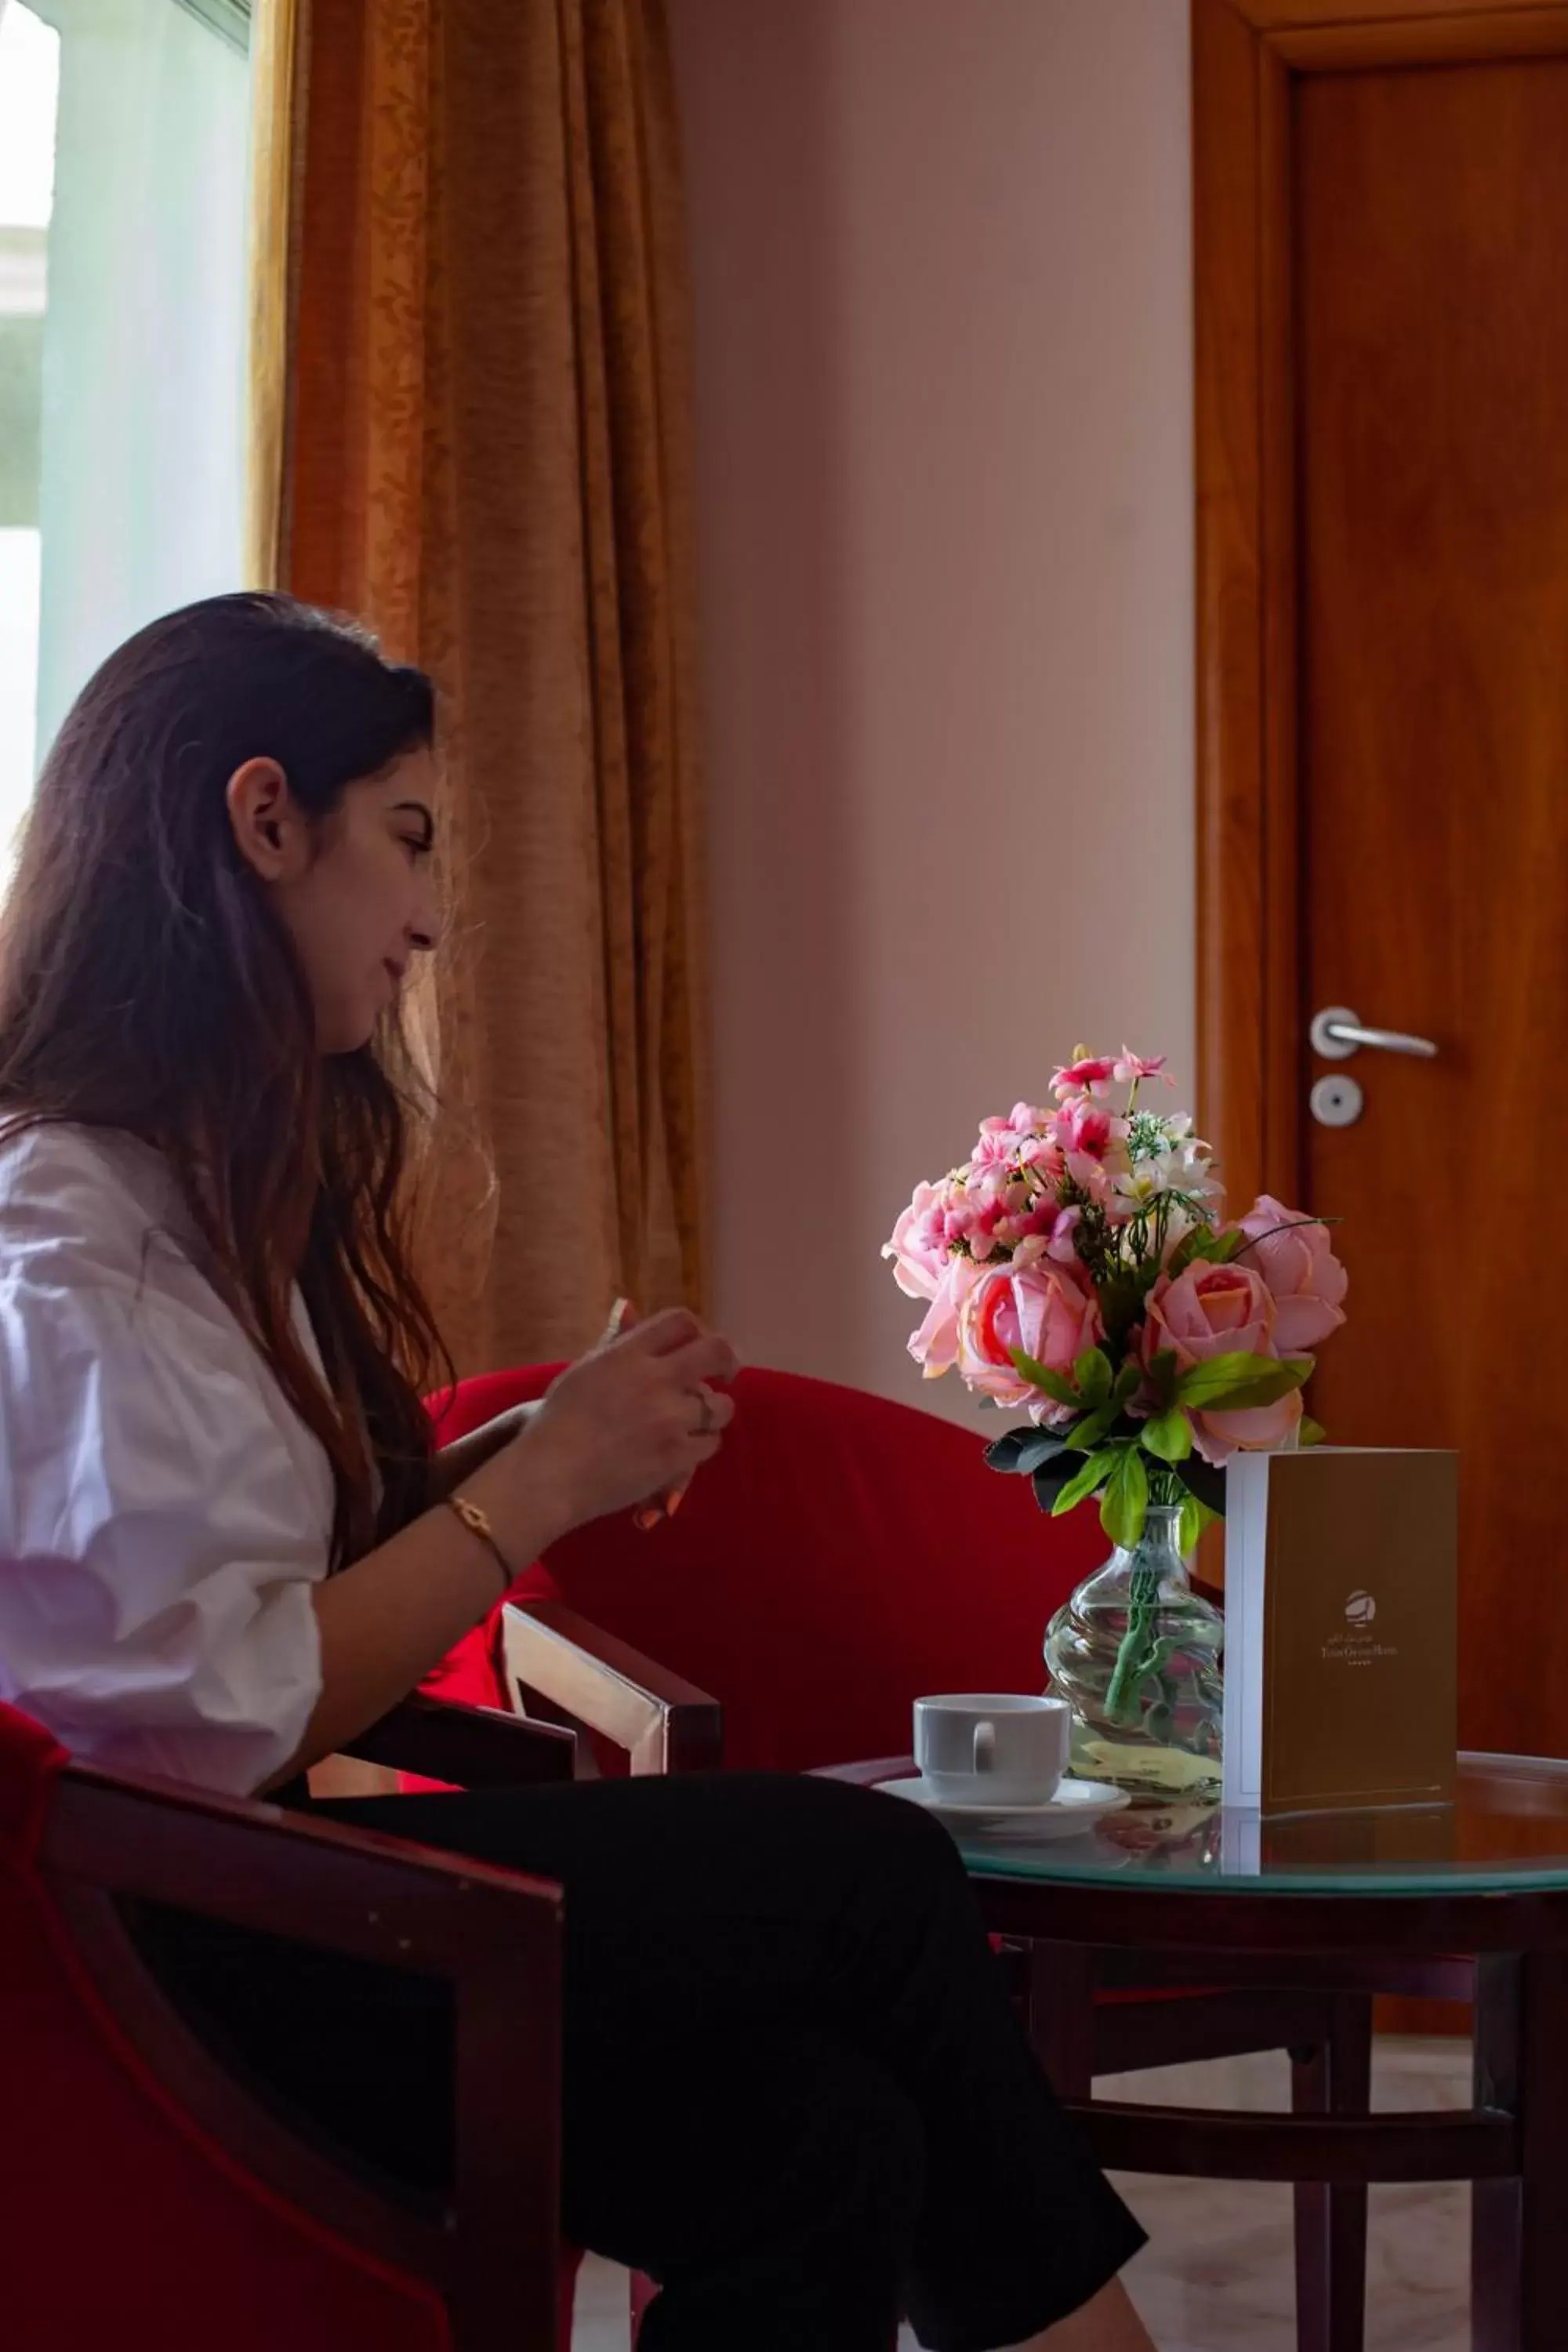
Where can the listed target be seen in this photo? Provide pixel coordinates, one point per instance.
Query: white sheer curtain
(29, 59)
(142, 439)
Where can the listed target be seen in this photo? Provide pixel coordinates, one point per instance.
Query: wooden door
(1383, 278)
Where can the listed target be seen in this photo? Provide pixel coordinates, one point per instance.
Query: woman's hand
(637, 1416)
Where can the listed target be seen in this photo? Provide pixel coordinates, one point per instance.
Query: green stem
(1136, 1654)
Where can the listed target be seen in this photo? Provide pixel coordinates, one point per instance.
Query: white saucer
(1076, 1806)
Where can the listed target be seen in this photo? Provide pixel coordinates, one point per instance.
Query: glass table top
(1506, 1832)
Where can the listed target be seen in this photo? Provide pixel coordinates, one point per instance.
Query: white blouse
(163, 1511)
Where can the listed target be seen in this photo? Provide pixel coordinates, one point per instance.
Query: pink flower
(1001, 1139)
(1087, 1133)
(919, 1247)
(998, 1145)
(1088, 1073)
(1132, 1067)
(1043, 1229)
(991, 1197)
(1048, 1310)
(960, 1210)
(1043, 1155)
(934, 1346)
(1220, 1310)
(1304, 1277)
(1094, 1145)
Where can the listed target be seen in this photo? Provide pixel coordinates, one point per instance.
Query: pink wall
(943, 361)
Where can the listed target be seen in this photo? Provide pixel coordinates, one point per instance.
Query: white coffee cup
(1001, 1747)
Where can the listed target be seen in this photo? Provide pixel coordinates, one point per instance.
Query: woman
(225, 1547)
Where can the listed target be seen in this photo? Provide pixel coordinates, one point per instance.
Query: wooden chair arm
(476, 1746)
(285, 1873)
(116, 1838)
(555, 1657)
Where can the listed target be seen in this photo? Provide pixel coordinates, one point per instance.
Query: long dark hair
(146, 984)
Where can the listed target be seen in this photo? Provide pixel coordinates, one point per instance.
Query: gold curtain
(472, 416)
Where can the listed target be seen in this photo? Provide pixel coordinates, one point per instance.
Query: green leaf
(1061, 1392)
(1091, 1376)
(1168, 1436)
(1121, 1303)
(1185, 1252)
(1202, 1479)
(1312, 1433)
(1203, 1242)
(1094, 1428)
(1048, 1482)
(1196, 1517)
(1253, 1396)
(1129, 1381)
(1250, 1396)
(1217, 1384)
(1125, 1505)
(1088, 1481)
(1162, 1378)
(1025, 1450)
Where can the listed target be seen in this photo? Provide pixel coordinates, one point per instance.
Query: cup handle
(985, 1747)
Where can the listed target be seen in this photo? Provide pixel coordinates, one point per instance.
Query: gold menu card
(1342, 1629)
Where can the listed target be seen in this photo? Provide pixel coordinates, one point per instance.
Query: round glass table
(1207, 1904)
(1506, 1832)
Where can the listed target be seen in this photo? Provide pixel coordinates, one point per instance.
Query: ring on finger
(708, 1425)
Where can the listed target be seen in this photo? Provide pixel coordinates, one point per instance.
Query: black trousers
(794, 2091)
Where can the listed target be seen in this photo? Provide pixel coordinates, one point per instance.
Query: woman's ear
(269, 828)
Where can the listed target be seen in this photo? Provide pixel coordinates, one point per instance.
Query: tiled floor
(1217, 2277)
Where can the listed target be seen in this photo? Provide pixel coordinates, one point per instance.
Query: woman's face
(354, 890)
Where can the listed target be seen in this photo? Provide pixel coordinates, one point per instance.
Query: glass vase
(1137, 1653)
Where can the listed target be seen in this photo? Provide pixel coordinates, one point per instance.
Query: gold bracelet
(478, 1523)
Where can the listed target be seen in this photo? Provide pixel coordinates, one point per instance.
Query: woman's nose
(423, 927)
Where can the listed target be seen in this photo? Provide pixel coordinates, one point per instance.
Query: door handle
(1337, 1033)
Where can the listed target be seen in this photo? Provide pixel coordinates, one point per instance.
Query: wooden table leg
(1521, 2227)
(1333, 2077)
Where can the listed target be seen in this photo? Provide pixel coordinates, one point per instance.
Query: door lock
(1337, 1101)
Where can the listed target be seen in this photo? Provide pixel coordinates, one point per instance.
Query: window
(124, 143)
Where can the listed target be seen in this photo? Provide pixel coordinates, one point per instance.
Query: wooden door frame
(1247, 57)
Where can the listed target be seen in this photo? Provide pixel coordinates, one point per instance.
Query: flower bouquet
(1078, 1266)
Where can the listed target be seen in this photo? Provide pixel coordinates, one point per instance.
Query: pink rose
(934, 1346)
(1221, 1310)
(1048, 1310)
(919, 1247)
(1305, 1279)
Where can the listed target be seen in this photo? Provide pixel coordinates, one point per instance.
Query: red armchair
(842, 1555)
(141, 2190)
(839, 1557)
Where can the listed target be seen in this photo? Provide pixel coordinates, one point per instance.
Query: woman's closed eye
(417, 834)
